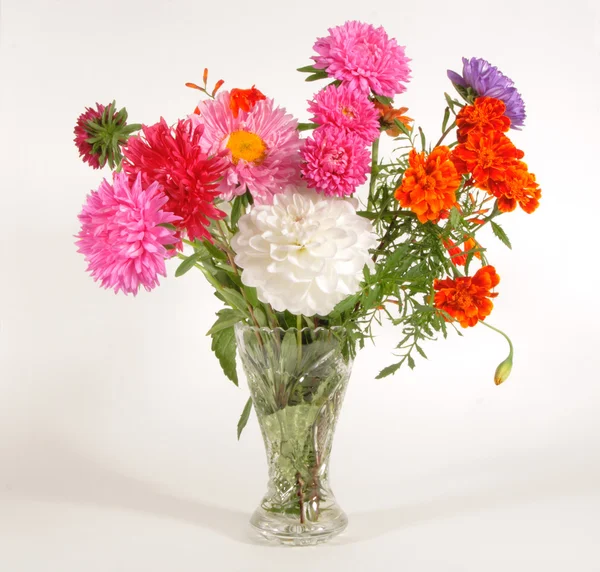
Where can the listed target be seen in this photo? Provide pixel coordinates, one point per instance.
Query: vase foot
(286, 529)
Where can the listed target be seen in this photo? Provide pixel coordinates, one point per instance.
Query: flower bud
(503, 370)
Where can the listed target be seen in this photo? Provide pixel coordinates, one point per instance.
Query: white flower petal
(304, 253)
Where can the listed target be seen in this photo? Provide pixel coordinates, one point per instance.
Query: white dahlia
(305, 252)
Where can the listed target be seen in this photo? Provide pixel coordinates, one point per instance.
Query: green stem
(299, 335)
(450, 128)
(374, 171)
(511, 353)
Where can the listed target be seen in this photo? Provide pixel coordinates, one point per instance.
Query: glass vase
(297, 381)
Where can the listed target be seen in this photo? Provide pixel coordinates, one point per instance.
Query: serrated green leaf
(499, 232)
(420, 350)
(244, 417)
(455, 218)
(227, 318)
(389, 370)
(224, 346)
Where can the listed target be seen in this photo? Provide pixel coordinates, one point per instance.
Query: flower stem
(448, 129)
(374, 171)
(299, 336)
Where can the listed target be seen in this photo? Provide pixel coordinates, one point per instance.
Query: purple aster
(487, 81)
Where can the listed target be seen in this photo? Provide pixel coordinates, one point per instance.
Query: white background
(117, 427)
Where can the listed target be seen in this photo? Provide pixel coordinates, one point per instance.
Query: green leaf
(307, 126)
(320, 74)
(499, 232)
(402, 127)
(234, 299)
(389, 370)
(420, 350)
(455, 218)
(188, 263)
(446, 118)
(307, 69)
(214, 251)
(384, 100)
(226, 319)
(449, 101)
(224, 346)
(237, 209)
(411, 362)
(422, 135)
(244, 417)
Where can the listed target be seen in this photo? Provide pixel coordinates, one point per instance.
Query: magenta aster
(263, 146)
(337, 162)
(364, 57)
(346, 109)
(188, 176)
(121, 235)
(82, 134)
(100, 133)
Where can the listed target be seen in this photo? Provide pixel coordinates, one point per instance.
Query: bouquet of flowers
(308, 236)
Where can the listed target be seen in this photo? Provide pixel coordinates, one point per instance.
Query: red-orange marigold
(467, 298)
(429, 184)
(486, 156)
(518, 187)
(484, 116)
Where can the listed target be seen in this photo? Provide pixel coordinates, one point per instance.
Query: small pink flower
(337, 162)
(121, 235)
(347, 109)
(364, 57)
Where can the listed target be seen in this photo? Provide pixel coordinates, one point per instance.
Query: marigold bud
(503, 370)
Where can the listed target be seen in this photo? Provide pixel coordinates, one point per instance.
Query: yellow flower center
(247, 146)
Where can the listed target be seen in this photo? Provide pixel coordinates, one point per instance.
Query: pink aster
(364, 57)
(189, 177)
(262, 145)
(337, 162)
(82, 134)
(346, 109)
(121, 235)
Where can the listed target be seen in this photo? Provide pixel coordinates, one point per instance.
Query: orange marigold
(518, 187)
(244, 99)
(467, 298)
(389, 115)
(485, 115)
(486, 156)
(429, 184)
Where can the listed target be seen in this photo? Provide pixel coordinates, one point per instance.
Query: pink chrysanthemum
(172, 156)
(121, 235)
(82, 134)
(263, 146)
(365, 57)
(336, 161)
(346, 109)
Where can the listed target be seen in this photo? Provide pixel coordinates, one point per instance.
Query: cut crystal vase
(297, 381)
